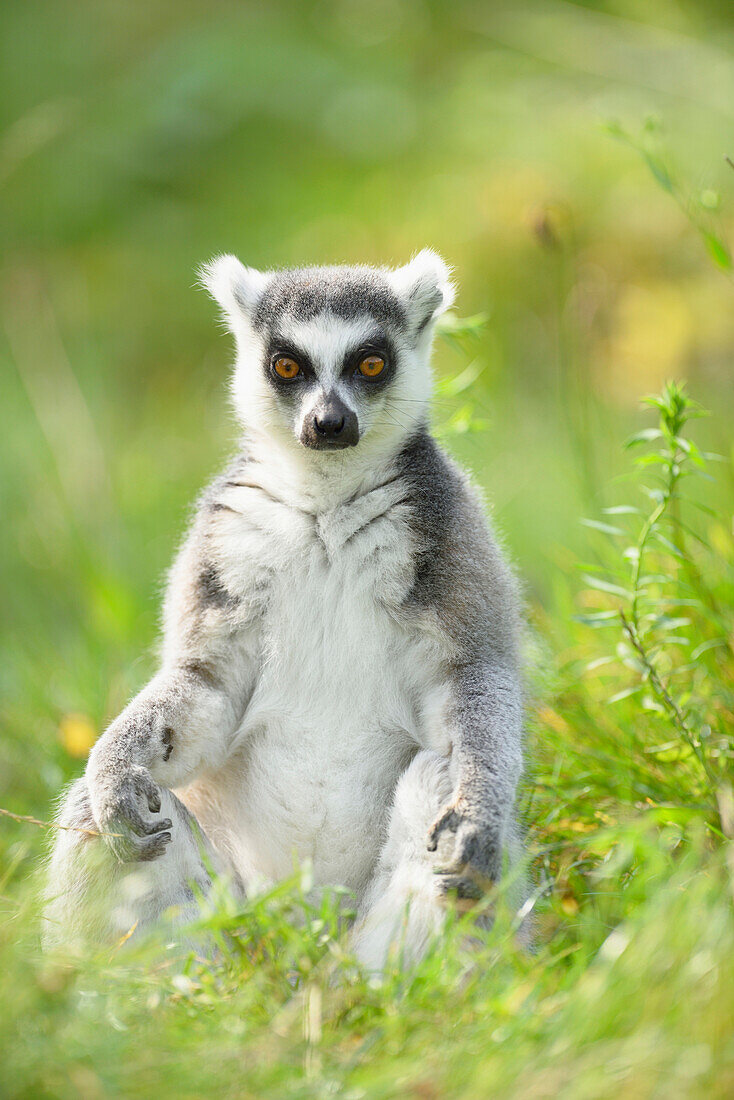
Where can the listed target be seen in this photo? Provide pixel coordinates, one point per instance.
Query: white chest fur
(332, 720)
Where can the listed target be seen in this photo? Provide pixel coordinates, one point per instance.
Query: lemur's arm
(485, 725)
(464, 589)
(185, 718)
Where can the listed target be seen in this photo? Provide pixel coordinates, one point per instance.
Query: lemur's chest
(334, 715)
(322, 597)
(334, 648)
(331, 646)
(314, 582)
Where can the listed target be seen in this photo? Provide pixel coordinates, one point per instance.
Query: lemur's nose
(330, 424)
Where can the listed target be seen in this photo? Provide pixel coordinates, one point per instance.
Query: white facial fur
(327, 340)
(327, 330)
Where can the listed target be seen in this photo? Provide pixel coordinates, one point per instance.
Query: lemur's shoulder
(204, 592)
(461, 573)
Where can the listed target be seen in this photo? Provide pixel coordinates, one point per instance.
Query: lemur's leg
(93, 897)
(405, 904)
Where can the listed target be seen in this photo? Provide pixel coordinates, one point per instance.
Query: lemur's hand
(119, 802)
(470, 851)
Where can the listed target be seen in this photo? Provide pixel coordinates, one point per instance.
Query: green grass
(594, 263)
(641, 1007)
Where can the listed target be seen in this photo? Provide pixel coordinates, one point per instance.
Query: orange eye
(286, 368)
(371, 366)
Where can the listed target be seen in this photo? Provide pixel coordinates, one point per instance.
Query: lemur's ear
(236, 288)
(424, 286)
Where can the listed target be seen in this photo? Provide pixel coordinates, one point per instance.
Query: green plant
(462, 335)
(666, 595)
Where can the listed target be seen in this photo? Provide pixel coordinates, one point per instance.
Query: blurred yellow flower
(77, 734)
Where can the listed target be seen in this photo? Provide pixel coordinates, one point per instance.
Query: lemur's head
(327, 356)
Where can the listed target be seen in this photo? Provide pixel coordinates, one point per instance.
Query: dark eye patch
(380, 344)
(283, 349)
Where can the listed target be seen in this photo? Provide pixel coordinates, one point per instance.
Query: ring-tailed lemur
(339, 679)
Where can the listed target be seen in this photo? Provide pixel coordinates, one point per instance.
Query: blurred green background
(137, 139)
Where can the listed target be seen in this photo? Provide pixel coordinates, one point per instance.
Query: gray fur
(213, 593)
(345, 292)
(461, 578)
(459, 572)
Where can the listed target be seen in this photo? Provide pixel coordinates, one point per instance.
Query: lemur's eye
(286, 368)
(371, 366)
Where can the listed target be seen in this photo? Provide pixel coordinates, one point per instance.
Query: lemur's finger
(449, 819)
(152, 847)
(139, 849)
(148, 789)
(129, 817)
(154, 799)
(153, 827)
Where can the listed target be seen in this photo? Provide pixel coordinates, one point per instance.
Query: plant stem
(632, 626)
(673, 710)
(673, 471)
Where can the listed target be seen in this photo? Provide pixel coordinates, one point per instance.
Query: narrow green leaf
(600, 662)
(668, 623)
(652, 460)
(704, 647)
(625, 694)
(596, 618)
(705, 508)
(718, 251)
(456, 384)
(605, 586)
(450, 324)
(670, 546)
(659, 171)
(606, 528)
(690, 531)
(645, 436)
